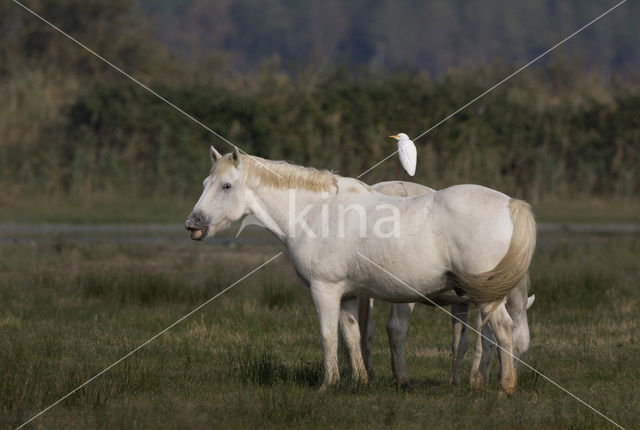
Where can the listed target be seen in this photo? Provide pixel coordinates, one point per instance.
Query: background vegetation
(74, 132)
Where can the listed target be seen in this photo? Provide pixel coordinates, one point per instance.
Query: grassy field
(253, 357)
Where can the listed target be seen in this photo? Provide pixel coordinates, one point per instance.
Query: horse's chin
(200, 234)
(209, 230)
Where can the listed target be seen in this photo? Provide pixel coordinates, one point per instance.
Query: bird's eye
(226, 186)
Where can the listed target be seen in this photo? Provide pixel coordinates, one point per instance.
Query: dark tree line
(433, 36)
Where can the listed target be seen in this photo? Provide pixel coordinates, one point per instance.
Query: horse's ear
(215, 155)
(530, 301)
(235, 157)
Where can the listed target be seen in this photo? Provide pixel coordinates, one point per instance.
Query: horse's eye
(226, 186)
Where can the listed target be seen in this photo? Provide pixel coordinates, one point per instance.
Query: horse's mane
(284, 175)
(281, 174)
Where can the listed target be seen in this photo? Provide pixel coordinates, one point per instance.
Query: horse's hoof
(477, 382)
(359, 383)
(326, 386)
(402, 384)
(361, 378)
(362, 382)
(371, 375)
(507, 391)
(509, 385)
(505, 394)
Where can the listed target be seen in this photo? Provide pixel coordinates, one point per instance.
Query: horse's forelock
(221, 165)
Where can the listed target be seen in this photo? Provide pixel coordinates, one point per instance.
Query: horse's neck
(267, 213)
(275, 207)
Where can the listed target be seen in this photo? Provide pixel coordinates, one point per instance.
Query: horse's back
(471, 193)
(401, 188)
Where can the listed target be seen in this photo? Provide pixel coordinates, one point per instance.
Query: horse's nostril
(193, 221)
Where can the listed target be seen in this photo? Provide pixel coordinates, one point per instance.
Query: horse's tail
(497, 282)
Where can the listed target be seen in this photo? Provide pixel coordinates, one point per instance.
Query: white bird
(407, 152)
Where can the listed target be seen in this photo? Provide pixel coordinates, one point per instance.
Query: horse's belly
(397, 285)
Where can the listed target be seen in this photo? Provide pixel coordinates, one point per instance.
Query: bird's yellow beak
(395, 136)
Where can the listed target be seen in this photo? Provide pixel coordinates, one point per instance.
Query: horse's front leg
(351, 335)
(326, 298)
(459, 312)
(397, 326)
(517, 304)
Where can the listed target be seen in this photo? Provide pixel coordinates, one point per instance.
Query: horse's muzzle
(197, 227)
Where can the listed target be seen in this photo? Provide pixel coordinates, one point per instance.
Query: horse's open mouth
(199, 234)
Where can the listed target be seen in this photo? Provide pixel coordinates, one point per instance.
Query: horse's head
(223, 199)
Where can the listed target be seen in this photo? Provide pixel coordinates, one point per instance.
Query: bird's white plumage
(407, 152)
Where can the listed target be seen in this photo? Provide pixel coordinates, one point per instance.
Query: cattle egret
(407, 152)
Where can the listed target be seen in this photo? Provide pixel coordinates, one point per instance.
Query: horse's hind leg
(459, 312)
(476, 379)
(351, 336)
(501, 325)
(397, 326)
(483, 355)
(326, 298)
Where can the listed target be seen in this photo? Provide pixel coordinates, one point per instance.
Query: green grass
(253, 357)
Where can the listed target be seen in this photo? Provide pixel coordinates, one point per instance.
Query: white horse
(397, 323)
(345, 239)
